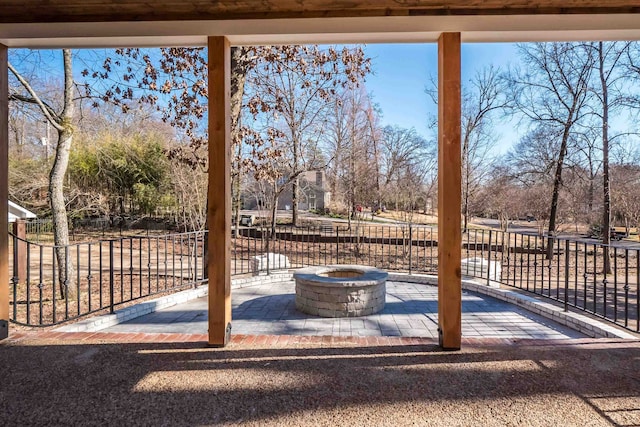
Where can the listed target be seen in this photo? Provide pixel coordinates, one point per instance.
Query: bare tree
(482, 99)
(292, 93)
(503, 196)
(480, 103)
(611, 76)
(624, 197)
(553, 90)
(63, 123)
(587, 167)
(400, 148)
(350, 142)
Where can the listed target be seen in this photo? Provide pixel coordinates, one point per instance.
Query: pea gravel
(86, 383)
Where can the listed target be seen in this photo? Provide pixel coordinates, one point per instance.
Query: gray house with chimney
(314, 194)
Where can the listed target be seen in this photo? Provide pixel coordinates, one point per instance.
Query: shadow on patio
(587, 382)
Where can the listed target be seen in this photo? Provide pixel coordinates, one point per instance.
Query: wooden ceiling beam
(47, 11)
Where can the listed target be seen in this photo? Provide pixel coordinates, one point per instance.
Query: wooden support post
(4, 193)
(20, 251)
(219, 194)
(449, 192)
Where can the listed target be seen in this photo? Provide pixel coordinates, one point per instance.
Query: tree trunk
(377, 176)
(557, 183)
(295, 194)
(236, 188)
(66, 270)
(465, 211)
(606, 216)
(205, 247)
(465, 177)
(352, 177)
(296, 146)
(274, 207)
(236, 197)
(239, 69)
(591, 195)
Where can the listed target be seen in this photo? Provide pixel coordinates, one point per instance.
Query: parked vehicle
(595, 232)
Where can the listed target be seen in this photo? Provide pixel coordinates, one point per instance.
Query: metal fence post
(410, 247)
(269, 237)
(111, 276)
(337, 243)
(489, 259)
(566, 276)
(195, 256)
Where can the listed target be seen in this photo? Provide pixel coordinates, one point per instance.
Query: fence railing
(603, 280)
(573, 274)
(108, 273)
(389, 247)
(53, 284)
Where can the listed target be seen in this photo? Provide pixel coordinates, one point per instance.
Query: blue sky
(402, 71)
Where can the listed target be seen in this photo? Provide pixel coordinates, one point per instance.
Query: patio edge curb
(591, 327)
(95, 324)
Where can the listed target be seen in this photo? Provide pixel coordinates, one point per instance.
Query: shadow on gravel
(47, 383)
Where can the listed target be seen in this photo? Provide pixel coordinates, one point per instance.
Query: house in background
(18, 212)
(314, 194)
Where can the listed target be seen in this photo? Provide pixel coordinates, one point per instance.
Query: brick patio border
(275, 341)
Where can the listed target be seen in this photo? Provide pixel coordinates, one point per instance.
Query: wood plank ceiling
(51, 11)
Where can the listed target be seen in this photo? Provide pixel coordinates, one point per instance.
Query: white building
(18, 212)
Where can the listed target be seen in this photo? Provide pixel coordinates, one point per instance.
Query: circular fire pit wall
(340, 290)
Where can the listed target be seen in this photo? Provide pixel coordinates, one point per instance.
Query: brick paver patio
(411, 311)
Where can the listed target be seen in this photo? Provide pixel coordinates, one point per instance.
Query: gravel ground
(587, 383)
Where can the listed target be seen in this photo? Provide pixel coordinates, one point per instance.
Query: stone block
(275, 262)
(481, 268)
(326, 313)
(355, 306)
(313, 296)
(326, 305)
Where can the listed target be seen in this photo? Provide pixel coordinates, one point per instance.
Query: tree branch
(48, 112)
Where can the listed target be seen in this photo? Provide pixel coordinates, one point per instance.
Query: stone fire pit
(340, 290)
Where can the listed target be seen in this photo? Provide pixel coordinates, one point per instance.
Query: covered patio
(219, 25)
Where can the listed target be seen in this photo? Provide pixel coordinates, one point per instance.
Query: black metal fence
(39, 226)
(41, 229)
(98, 276)
(573, 275)
(397, 248)
(576, 274)
(108, 273)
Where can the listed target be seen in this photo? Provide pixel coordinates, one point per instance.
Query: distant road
(515, 227)
(531, 228)
(315, 217)
(522, 227)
